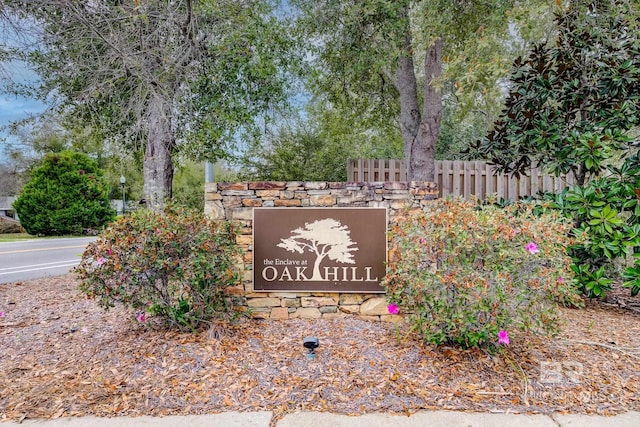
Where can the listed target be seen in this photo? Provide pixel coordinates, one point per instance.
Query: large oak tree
(388, 58)
(161, 76)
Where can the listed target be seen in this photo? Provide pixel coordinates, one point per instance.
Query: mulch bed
(63, 356)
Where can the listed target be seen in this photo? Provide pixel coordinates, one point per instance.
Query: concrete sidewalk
(325, 419)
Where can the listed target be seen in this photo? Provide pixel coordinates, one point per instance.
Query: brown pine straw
(62, 356)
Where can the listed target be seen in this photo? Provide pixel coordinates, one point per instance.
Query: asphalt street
(34, 259)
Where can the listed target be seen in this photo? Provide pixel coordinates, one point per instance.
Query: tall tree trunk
(409, 105)
(424, 157)
(158, 166)
(419, 130)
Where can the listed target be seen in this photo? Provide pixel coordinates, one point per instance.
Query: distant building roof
(6, 202)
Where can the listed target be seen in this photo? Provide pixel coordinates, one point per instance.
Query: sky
(14, 108)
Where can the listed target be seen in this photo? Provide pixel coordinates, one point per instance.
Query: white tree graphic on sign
(325, 238)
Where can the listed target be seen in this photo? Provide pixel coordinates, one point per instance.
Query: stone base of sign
(316, 306)
(235, 202)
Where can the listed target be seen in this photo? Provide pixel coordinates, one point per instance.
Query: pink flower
(515, 232)
(110, 251)
(393, 309)
(101, 260)
(532, 248)
(561, 279)
(1, 313)
(423, 240)
(141, 317)
(503, 337)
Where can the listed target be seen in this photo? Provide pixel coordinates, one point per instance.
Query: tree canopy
(188, 78)
(390, 59)
(317, 147)
(159, 76)
(572, 103)
(573, 108)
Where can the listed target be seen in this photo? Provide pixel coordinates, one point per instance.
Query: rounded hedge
(65, 195)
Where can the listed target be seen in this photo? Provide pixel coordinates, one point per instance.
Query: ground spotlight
(311, 343)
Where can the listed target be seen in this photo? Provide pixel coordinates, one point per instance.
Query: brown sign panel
(319, 249)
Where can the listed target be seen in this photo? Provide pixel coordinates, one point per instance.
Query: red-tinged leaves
(174, 265)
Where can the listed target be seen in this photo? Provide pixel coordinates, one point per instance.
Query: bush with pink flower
(466, 274)
(174, 266)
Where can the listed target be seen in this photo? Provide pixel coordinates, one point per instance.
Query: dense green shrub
(174, 265)
(65, 195)
(607, 211)
(464, 273)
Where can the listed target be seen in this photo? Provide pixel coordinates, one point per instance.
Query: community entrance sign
(319, 249)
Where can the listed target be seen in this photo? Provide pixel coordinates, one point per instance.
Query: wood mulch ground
(62, 356)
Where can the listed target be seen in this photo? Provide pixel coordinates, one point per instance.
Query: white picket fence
(462, 178)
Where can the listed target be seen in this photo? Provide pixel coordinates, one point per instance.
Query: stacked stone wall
(235, 202)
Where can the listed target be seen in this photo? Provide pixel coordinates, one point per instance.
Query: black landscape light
(311, 343)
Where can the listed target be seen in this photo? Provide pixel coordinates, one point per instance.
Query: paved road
(33, 259)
